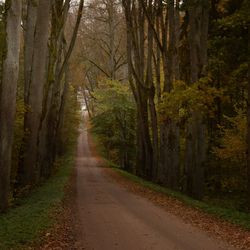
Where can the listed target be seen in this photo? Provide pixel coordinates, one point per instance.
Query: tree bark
(29, 36)
(57, 102)
(59, 136)
(56, 46)
(30, 168)
(111, 24)
(248, 123)
(8, 96)
(195, 154)
(135, 20)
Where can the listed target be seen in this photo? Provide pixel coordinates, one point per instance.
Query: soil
(110, 216)
(105, 211)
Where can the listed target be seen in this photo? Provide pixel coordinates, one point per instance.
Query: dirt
(105, 211)
(109, 216)
(215, 227)
(63, 235)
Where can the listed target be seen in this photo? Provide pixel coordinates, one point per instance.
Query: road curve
(111, 217)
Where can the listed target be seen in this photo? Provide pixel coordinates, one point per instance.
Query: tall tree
(8, 94)
(104, 30)
(59, 85)
(248, 117)
(198, 16)
(165, 31)
(138, 65)
(30, 168)
(52, 89)
(29, 35)
(170, 153)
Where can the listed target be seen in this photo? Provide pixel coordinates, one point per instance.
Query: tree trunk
(8, 95)
(170, 151)
(248, 123)
(135, 20)
(111, 24)
(151, 96)
(59, 134)
(29, 35)
(195, 154)
(58, 87)
(31, 171)
(46, 148)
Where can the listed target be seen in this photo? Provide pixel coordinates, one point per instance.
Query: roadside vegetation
(180, 118)
(31, 216)
(39, 116)
(33, 212)
(38, 98)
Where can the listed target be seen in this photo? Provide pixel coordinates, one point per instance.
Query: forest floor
(105, 210)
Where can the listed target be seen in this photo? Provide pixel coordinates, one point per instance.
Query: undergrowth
(33, 215)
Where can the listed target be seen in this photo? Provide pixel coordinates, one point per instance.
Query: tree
(139, 76)
(195, 155)
(59, 85)
(163, 23)
(248, 114)
(113, 122)
(40, 93)
(30, 168)
(10, 70)
(103, 29)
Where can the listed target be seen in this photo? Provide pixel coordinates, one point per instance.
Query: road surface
(110, 217)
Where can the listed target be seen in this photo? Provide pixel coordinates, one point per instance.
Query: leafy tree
(232, 153)
(114, 122)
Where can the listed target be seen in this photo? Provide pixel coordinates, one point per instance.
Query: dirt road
(111, 217)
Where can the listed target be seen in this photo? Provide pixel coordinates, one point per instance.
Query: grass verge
(25, 223)
(231, 215)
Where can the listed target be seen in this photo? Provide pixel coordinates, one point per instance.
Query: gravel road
(110, 217)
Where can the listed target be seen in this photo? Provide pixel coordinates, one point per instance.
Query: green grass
(231, 215)
(25, 223)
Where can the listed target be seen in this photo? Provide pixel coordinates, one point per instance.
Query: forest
(165, 83)
(38, 105)
(169, 98)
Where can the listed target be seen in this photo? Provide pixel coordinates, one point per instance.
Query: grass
(229, 214)
(25, 223)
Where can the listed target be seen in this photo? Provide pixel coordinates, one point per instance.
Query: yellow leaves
(112, 95)
(233, 149)
(183, 100)
(233, 143)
